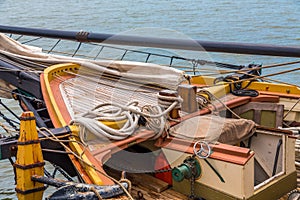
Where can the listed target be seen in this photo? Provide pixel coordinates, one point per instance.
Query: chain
(162, 170)
(192, 180)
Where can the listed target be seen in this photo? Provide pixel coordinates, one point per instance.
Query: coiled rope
(155, 118)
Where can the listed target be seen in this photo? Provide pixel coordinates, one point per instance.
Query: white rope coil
(108, 112)
(155, 118)
(167, 101)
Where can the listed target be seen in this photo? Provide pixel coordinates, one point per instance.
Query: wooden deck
(147, 187)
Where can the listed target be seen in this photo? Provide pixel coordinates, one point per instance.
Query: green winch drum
(187, 169)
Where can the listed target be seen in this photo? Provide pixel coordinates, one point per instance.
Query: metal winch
(190, 168)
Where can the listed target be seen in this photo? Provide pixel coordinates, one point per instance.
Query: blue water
(253, 21)
(275, 21)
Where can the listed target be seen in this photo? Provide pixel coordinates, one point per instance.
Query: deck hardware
(73, 190)
(188, 93)
(204, 151)
(186, 170)
(166, 98)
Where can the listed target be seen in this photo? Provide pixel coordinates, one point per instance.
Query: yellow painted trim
(260, 86)
(219, 90)
(93, 175)
(29, 154)
(273, 87)
(49, 75)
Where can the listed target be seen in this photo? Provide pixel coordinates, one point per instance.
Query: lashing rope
(55, 138)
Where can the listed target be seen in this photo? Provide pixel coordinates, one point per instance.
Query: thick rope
(130, 113)
(213, 97)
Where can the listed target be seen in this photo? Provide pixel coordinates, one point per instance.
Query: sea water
(252, 21)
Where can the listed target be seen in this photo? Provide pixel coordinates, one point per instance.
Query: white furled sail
(145, 73)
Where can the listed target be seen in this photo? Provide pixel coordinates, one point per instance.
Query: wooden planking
(148, 186)
(148, 181)
(147, 194)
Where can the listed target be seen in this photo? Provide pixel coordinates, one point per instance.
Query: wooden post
(29, 160)
(171, 93)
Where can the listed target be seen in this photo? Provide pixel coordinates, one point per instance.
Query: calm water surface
(253, 21)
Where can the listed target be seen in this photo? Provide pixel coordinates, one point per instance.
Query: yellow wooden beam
(29, 160)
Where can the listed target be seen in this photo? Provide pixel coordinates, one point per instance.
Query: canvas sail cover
(145, 73)
(212, 128)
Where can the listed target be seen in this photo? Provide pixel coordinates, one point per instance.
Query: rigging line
(20, 94)
(35, 63)
(49, 51)
(219, 100)
(58, 137)
(282, 64)
(267, 78)
(77, 49)
(9, 121)
(8, 130)
(201, 62)
(257, 68)
(186, 68)
(233, 71)
(270, 79)
(254, 78)
(220, 71)
(176, 57)
(138, 51)
(19, 37)
(31, 40)
(141, 52)
(55, 138)
(217, 63)
(9, 110)
(55, 151)
(67, 53)
(206, 72)
(88, 164)
(102, 47)
(291, 109)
